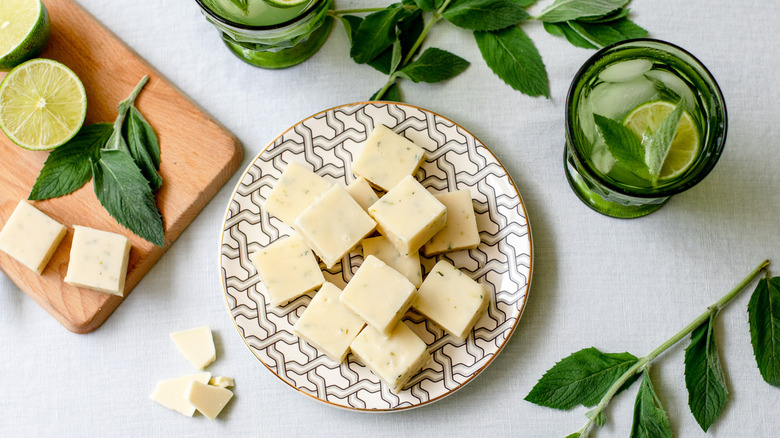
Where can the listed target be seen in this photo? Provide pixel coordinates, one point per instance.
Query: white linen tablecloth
(613, 284)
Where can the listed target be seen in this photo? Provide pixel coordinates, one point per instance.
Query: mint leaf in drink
(143, 146)
(376, 33)
(622, 143)
(512, 56)
(650, 419)
(125, 194)
(434, 65)
(564, 29)
(581, 378)
(707, 392)
(408, 30)
(485, 14)
(764, 319)
(242, 4)
(68, 167)
(659, 143)
(566, 10)
(604, 34)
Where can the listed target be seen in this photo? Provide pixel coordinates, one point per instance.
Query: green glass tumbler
(266, 36)
(618, 82)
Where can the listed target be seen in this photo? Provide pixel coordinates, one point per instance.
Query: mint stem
(355, 11)
(124, 106)
(435, 19)
(644, 362)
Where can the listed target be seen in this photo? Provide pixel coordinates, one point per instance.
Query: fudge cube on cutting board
(395, 358)
(408, 215)
(327, 324)
(98, 260)
(333, 224)
(379, 294)
(30, 236)
(288, 269)
(386, 158)
(296, 189)
(451, 299)
(461, 230)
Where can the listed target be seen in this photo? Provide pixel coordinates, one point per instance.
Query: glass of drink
(638, 84)
(270, 33)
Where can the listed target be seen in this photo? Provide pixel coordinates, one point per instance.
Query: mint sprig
(624, 145)
(496, 25)
(122, 159)
(704, 375)
(659, 142)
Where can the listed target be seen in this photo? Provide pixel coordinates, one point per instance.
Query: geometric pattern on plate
(454, 160)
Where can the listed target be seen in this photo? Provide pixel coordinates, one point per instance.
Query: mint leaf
(566, 10)
(428, 5)
(512, 56)
(68, 167)
(408, 30)
(351, 24)
(564, 29)
(581, 378)
(604, 34)
(599, 420)
(125, 194)
(434, 65)
(660, 141)
(764, 319)
(525, 3)
(242, 4)
(143, 146)
(376, 33)
(707, 392)
(485, 14)
(622, 143)
(620, 13)
(650, 419)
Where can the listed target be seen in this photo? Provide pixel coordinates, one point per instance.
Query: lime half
(286, 3)
(42, 104)
(24, 31)
(685, 144)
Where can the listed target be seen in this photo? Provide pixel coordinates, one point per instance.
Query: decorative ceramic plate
(327, 143)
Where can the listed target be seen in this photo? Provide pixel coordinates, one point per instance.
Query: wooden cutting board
(198, 157)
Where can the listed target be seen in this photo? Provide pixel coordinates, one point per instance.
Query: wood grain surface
(198, 157)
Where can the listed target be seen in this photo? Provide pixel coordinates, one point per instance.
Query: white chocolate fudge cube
(170, 393)
(296, 189)
(333, 225)
(288, 269)
(408, 215)
(362, 193)
(451, 299)
(386, 158)
(208, 400)
(327, 324)
(196, 345)
(394, 359)
(461, 231)
(98, 260)
(379, 294)
(406, 264)
(30, 236)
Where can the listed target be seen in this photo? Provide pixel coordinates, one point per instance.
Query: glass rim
(242, 26)
(585, 167)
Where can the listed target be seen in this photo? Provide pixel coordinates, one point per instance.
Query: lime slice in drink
(42, 104)
(286, 3)
(24, 31)
(685, 144)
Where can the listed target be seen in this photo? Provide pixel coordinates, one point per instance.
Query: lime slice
(24, 31)
(685, 144)
(286, 3)
(42, 104)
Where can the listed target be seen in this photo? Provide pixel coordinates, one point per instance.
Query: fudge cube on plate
(408, 265)
(288, 269)
(296, 189)
(451, 299)
(394, 359)
(386, 158)
(408, 215)
(379, 294)
(30, 236)
(98, 260)
(333, 224)
(327, 324)
(461, 231)
(361, 191)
